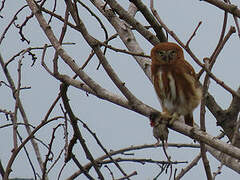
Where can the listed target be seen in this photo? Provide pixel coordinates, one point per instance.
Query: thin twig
(188, 167)
(54, 9)
(128, 176)
(150, 19)
(221, 45)
(85, 172)
(77, 132)
(28, 156)
(219, 171)
(49, 152)
(235, 19)
(111, 173)
(32, 48)
(214, 54)
(16, 151)
(103, 148)
(193, 34)
(43, 62)
(2, 171)
(124, 51)
(11, 22)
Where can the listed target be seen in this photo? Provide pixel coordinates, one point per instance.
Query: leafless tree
(58, 19)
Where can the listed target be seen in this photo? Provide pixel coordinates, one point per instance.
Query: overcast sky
(116, 127)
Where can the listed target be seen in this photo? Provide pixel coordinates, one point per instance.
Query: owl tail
(189, 119)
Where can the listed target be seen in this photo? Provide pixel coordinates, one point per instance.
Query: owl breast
(177, 92)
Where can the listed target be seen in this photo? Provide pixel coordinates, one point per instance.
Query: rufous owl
(175, 82)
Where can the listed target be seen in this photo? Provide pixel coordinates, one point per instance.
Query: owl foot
(166, 115)
(157, 143)
(175, 117)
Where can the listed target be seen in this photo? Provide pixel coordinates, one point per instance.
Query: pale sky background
(116, 127)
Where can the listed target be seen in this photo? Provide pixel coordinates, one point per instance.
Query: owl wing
(187, 68)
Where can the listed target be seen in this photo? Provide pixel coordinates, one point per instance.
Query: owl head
(166, 53)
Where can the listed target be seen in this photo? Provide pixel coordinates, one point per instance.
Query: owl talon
(175, 117)
(166, 115)
(157, 143)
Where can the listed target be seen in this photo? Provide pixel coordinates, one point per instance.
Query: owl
(175, 82)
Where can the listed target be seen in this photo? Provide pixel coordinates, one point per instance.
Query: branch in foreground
(199, 135)
(150, 18)
(133, 22)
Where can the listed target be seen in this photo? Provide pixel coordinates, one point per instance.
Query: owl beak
(166, 58)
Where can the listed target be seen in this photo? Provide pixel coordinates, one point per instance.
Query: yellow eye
(161, 53)
(172, 54)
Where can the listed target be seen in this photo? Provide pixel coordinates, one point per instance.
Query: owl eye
(161, 53)
(172, 53)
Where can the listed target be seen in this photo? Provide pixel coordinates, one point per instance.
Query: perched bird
(175, 82)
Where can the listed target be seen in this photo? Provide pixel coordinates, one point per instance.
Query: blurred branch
(150, 19)
(30, 49)
(132, 22)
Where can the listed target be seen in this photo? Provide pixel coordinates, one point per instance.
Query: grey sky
(116, 127)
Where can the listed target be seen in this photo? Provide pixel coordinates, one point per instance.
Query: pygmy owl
(174, 81)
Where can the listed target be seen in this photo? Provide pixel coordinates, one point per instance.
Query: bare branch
(16, 151)
(133, 22)
(102, 147)
(231, 8)
(194, 33)
(188, 167)
(150, 18)
(77, 132)
(202, 122)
